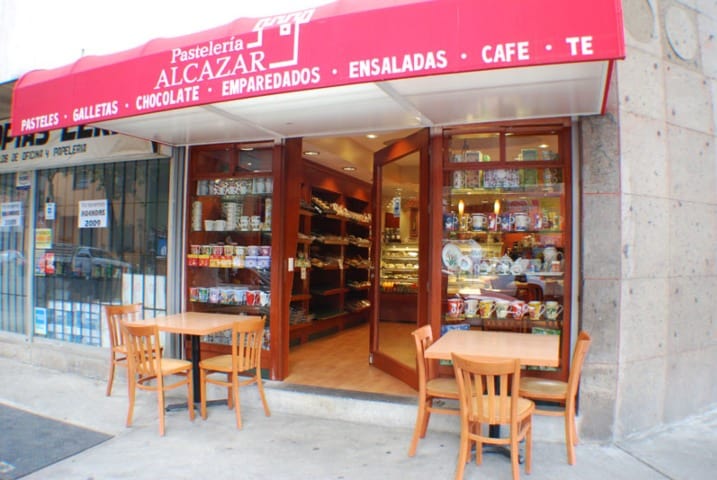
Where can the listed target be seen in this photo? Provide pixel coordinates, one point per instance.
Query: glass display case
(229, 244)
(506, 230)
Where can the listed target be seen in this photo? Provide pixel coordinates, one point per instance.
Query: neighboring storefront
(556, 60)
(85, 214)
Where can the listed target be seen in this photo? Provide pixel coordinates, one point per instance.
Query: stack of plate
(232, 211)
(197, 216)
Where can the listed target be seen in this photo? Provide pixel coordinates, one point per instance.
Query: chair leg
(160, 402)
(131, 390)
(463, 451)
(514, 453)
(570, 435)
(529, 446)
(477, 429)
(203, 393)
(260, 386)
(237, 405)
(230, 399)
(190, 395)
(420, 415)
(111, 377)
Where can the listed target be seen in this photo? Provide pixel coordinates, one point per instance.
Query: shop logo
(288, 31)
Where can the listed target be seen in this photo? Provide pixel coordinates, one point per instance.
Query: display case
(506, 230)
(331, 278)
(229, 238)
(399, 268)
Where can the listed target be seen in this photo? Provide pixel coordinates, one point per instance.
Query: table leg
(195, 368)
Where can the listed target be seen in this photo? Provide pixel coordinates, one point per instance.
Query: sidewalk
(290, 445)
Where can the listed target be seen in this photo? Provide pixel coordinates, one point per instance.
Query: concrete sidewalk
(304, 439)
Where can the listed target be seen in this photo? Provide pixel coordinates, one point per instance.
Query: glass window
(506, 252)
(13, 202)
(474, 147)
(121, 259)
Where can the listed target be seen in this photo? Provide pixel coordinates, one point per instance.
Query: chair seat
(173, 365)
(443, 387)
(220, 363)
(525, 407)
(543, 388)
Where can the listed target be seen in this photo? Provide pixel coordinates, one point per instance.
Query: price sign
(92, 214)
(11, 214)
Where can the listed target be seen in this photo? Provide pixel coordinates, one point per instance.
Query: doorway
(368, 357)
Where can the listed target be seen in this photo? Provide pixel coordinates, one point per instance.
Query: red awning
(435, 62)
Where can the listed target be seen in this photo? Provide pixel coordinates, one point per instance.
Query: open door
(400, 266)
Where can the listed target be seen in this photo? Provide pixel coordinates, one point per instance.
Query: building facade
(645, 177)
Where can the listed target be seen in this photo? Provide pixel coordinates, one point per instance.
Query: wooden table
(194, 324)
(532, 349)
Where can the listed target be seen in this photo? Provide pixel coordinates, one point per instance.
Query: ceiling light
(544, 145)
(246, 149)
(348, 169)
(311, 153)
(371, 135)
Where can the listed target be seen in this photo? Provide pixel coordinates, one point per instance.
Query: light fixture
(246, 149)
(543, 145)
(311, 153)
(371, 136)
(348, 168)
(461, 208)
(496, 206)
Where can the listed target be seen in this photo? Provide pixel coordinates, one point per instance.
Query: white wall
(41, 34)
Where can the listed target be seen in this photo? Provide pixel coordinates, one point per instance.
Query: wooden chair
(487, 389)
(429, 388)
(562, 393)
(118, 350)
(147, 368)
(247, 339)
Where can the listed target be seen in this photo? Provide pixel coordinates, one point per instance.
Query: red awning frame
(394, 64)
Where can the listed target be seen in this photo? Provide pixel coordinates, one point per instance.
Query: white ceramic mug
(479, 221)
(522, 221)
(501, 308)
(471, 307)
(552, 310)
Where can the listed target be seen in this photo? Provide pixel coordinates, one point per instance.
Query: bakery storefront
(419, 168)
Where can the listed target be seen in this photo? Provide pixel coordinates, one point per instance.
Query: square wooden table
(532, 349)
(194, 324)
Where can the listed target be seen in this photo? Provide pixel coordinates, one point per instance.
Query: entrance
(399, 284)
(378, 356)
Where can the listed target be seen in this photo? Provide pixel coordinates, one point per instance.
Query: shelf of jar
(326, 292)
(468, 234)
(539, 190)
(492, 322)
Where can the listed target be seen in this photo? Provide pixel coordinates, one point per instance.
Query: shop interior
(340, 359)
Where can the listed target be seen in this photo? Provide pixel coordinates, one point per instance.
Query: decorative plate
(465, 263)
(451, 255)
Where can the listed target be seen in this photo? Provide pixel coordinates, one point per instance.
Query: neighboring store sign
(40, 321)
(71, 145)
(50, 211)
(43, 238)
(11, 214)
(23, 181)
(92, 214)
(342, 43)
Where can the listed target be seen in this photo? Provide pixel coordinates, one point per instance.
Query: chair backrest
(581, 350)
(485, 386)
(423, 338)
(247, 340)
(116, 314)
(144, 351)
